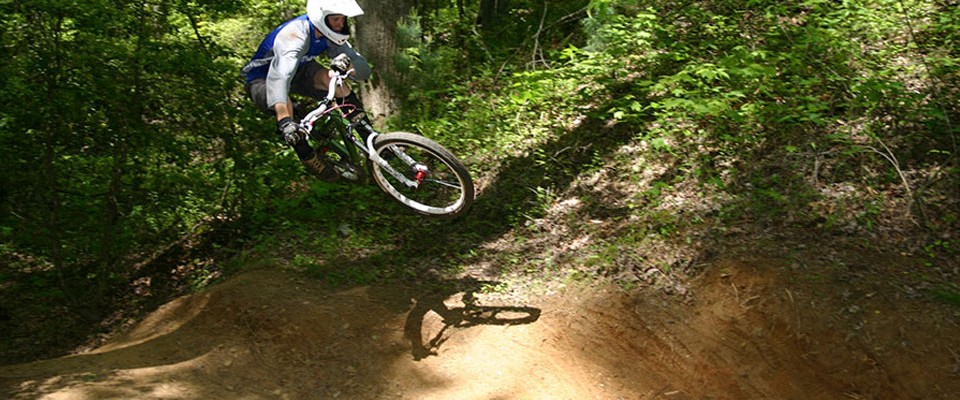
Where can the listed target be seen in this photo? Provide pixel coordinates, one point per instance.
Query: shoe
(320, 169)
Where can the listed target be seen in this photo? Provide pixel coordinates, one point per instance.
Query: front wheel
(422, 175)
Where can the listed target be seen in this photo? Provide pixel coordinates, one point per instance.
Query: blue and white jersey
(286, 48)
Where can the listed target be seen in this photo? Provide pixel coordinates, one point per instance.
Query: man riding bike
(285, 63)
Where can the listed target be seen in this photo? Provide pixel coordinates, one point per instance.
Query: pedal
(345, 173)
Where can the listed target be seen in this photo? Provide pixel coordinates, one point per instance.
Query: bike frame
(345, 130)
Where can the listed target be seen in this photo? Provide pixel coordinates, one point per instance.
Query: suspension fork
(421, 169)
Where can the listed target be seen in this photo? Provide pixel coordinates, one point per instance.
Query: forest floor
(824, 322)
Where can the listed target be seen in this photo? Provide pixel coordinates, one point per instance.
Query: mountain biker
(285, 63)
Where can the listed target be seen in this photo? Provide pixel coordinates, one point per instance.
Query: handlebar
(336, 80)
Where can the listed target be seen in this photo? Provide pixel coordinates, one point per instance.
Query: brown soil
(747, 329)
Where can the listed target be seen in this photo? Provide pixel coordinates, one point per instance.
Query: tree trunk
(375, 36)
(53, 129)
(490, 12)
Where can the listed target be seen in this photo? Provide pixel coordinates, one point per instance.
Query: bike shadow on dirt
(437, 314)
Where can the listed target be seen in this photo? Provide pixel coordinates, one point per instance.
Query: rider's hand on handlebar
(289, 130)
(340, 63)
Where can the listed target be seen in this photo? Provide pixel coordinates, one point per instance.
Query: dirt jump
(748, 329)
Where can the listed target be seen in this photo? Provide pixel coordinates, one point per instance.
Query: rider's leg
(321, 81)
(317, 89)
(358, 116)
(314, 163)
(257, 91)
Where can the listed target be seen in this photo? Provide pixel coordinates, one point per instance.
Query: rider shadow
(458, 311)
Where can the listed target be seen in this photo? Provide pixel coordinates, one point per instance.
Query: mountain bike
(413, 170)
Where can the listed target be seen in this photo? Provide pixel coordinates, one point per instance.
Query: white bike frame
(307, 125)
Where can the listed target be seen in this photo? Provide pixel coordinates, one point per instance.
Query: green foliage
(122, 132)
(783, 84)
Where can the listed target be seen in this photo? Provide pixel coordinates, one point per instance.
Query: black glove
(340, 63)
(289, 130)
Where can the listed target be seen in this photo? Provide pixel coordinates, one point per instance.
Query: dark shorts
(302, 84)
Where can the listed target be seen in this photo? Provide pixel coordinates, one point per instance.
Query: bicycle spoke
(444, 183)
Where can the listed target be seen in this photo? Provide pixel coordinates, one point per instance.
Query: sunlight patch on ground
(150, 383)
(492, 362)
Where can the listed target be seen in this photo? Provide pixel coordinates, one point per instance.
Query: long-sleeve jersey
(286, 48)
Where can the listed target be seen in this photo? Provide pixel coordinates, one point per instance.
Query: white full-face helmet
(318, 10)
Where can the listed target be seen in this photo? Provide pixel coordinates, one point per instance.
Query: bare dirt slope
(749, 329)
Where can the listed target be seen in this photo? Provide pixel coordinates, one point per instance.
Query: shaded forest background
(134, 168)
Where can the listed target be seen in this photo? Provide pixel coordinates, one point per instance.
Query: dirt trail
(751, 330)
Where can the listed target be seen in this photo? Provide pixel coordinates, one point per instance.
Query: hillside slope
(749, 327)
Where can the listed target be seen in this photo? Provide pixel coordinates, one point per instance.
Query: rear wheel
(422, 175)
